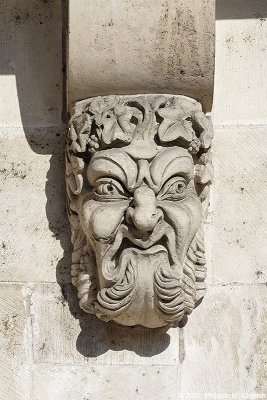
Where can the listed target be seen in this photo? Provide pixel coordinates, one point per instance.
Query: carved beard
(132, 299)
(149, 287)
(168, 305)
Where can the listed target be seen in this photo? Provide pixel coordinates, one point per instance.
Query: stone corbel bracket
(136, 46)
(138, 166)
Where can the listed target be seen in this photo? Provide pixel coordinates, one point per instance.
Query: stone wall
(50, 349)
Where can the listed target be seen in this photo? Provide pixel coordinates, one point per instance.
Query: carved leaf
(204, 173)
(173, 126)
(207, 134)
(83, 125)
(124, 121)
(103, 125)
(117, 125)
(97, 105)
(176, 131)
(112, 131)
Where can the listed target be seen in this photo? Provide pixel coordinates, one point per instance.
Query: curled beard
(147, 290)
(113, 301)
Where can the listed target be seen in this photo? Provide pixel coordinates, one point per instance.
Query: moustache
(162, 235)
(119, 267)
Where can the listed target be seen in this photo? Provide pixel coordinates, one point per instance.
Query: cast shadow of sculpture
(241, 9)
(96, 337)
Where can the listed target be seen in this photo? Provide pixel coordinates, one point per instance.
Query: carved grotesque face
(140, 258)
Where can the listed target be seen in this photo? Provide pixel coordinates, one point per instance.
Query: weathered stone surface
(225, 342)
(15, 342)
(136, 46)
(70, 336)
(33, 229)
(110, 382)
(238, 211)
(240, 94)
(31, 62)
(226, 335)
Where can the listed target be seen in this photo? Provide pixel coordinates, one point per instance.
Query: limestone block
(221, 349)
(238, 210)
(15, 342)
(225, 342)
(33, 227)
(136, 46)
(30, 63)
(240, 92)
(64, 334)
(111, 382)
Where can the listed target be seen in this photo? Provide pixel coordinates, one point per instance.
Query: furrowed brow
(113, 163)
(171, 162)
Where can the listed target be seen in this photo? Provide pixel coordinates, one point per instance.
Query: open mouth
(127, 244)
(161, 240)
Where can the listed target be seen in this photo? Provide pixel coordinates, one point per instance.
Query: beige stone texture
(226, 333)
(224, 340)
(58, 348)
(32, 200)
(31, 62)
(109, 382)
(238, 210)
(15, 342)
(70, 336)
(136, 46)
(240, 93)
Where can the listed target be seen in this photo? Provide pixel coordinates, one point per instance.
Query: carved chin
(147, 289)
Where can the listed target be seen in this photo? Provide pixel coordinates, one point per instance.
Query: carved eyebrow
(112, 163)
(171, 162)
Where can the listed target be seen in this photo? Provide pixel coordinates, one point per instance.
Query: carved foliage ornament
(138, 170)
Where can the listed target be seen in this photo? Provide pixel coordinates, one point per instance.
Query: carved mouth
(127, 244)
(161, 240)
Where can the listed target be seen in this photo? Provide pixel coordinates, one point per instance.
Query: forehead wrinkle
(113, 163)
(173, 161)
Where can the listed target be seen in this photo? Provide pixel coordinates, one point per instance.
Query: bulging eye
(109, 189)
(174, 189)
(106, 189)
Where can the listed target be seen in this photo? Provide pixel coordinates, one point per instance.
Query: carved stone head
(138, 172)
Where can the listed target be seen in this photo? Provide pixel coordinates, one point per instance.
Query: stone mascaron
(138, 171)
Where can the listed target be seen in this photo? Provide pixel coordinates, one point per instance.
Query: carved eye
(109, 189)
(174, 189)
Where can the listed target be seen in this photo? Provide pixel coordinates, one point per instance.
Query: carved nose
(144, 215)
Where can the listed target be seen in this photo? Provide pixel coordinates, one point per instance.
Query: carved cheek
(185, 217)
(101, 220)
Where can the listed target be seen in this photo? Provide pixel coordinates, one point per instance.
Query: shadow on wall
(31, 48)
(96, 337)
(241, 9)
